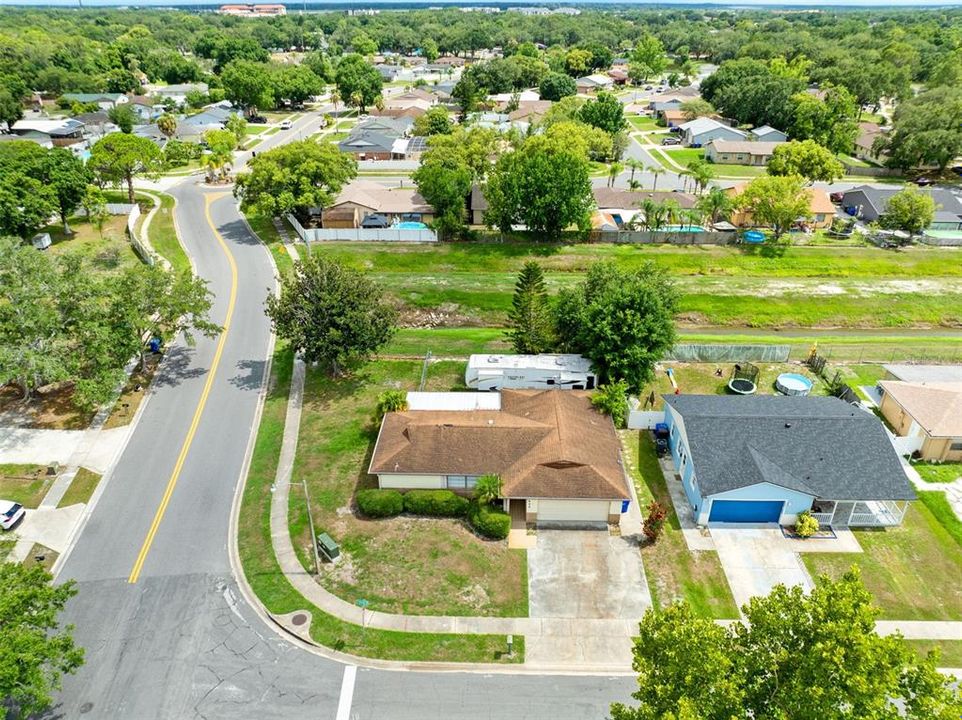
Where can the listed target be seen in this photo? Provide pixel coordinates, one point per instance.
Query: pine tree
(530, 318)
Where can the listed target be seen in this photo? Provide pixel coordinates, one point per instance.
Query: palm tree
(672, 211)
(701, 174)
(167, 124)
(217, 163)
(716, 205)
(335, 99)
(487, 489)
(357, 100)
(655, 213)
(614, 170)
(634, 164)
(655, 170)
(684, 175)
(634, 184)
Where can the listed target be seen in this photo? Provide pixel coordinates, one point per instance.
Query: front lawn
(950, 651)
(102, 251)
(674, 572)
(642, 122)
(81, 488)
(401, 565)
(914, 571)
(938, 472)
(279, 596)
(24, 484)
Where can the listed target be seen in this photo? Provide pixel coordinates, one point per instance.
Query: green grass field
(470, 284)
(24, 484)
(914, 571)
(938, 472)
(642, 122)
(674, 572)
(163, 236)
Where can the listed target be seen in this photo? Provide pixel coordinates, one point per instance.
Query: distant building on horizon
(253, 10)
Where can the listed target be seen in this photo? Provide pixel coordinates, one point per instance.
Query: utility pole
(310, 522)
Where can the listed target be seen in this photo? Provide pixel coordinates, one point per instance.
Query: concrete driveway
(586, 574)
(755, 560)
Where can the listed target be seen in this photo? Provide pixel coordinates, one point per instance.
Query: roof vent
(788, 425)
(490, 421)
(559, 361)
(493, 358)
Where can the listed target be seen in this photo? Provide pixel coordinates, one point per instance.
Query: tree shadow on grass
(768, 249)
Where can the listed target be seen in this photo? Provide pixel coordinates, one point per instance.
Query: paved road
(180, 642)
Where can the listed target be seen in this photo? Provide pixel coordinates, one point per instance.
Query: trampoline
(793, 384)
(743, 379)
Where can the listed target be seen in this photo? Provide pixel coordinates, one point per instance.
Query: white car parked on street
(10, 513)
(287, 125)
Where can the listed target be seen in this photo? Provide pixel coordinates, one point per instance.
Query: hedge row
(436, 503)
(489, 522)
(377, 503)
(486, 521)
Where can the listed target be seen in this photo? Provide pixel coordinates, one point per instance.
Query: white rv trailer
(493, 372)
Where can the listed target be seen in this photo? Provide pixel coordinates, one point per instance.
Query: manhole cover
(86, 708)
(299, 619)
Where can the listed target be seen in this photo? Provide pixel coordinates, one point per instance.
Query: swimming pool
(411, 225)
(793, 384)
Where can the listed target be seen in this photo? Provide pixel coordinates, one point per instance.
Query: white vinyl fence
(139, 247)
(390, 234)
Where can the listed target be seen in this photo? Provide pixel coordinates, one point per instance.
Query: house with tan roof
(931, 411)
(740, 152)
(558, 458)
(821, 210)
(364, 199)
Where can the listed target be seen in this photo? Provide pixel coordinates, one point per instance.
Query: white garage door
(572, 511)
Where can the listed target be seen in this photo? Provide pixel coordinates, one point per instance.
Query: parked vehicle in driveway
(287, 125)
(671, 141)
(836, 197)
(10, 513)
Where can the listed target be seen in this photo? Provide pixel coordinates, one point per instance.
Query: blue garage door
(754, 511)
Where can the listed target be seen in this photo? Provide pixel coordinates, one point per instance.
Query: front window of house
(461, 482)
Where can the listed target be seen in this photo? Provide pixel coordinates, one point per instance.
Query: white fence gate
(645, 419)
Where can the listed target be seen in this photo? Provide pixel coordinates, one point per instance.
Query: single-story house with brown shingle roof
(558, 458)
(821, 209)
(931, 411)
(364, 198)
(740, 152)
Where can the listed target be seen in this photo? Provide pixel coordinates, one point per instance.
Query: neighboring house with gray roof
(369, 145)
(766, 133)
(869, 204)
(703, 130)
(106, 101)
(765, 459)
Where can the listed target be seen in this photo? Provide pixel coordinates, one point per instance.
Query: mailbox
(326, 544)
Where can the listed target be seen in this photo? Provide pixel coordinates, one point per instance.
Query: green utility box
(326, 544)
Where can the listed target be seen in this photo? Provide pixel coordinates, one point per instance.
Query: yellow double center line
(199, 410)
